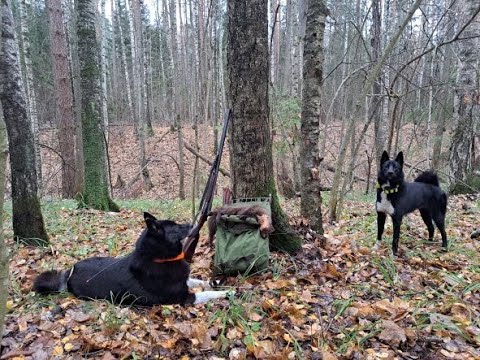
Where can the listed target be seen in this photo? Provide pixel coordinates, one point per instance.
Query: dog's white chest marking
(385, 205)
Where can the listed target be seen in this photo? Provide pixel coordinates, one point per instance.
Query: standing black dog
(396, 197)
(154, 273)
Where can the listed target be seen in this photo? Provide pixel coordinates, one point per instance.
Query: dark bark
(63, 95)
(95, 194)
(250, 138)
(28, 223)
(311, 201)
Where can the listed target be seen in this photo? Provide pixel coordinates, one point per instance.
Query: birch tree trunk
(176, 95)
(30, 89)
(28, 223)
(375, 109)
(297, 60)
(250, 136)
(172, 13)
(115, 75)
(466, 101)
(181, 163)
(63, 95)
(95, 194)
(139, 88)
(3, 245)
(103, 66)
(311, 200)
(123, 56)
(287, 62)
(147, 84)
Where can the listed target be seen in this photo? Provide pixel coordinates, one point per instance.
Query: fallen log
(332, 169)
(204, 159)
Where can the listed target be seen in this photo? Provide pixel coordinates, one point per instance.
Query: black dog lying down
(397, 197)
(154, 273)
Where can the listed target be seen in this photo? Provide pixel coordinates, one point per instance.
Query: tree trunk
(123, 55)
(95, 194)
(115, 76)
(175, 61)
(195, 178)
(147, 85)
(30, 89)
(28, 223)
(287, 61)
(3, 245)
(311, 201)
(375, 109)
(101, 34)
(139, 88)
(63, 95)
(181, 163)
(77, 102)
(466, 105)
(297, 61)
(250, 138)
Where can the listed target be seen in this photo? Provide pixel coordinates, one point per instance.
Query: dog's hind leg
(440, 222)
(427, 219)
(381, 217)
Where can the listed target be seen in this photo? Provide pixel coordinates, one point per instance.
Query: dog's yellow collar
(387, 191)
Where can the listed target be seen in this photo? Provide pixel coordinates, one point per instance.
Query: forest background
(397, 75)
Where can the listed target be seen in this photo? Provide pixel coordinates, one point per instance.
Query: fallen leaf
(263, 349)
(332, 272)
(58, 350)
(392, 334)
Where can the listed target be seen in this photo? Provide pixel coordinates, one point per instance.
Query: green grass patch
(386, 266)
(236, 316)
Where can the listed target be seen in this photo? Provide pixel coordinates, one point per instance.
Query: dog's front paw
(205, 296)
(377, 245)
(228, 293)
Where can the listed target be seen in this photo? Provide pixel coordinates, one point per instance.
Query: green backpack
(239, 247)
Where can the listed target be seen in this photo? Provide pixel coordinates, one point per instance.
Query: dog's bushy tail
(444, 203)
(51, 281)
(428, 177)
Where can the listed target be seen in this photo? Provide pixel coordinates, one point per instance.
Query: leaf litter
(335, 299)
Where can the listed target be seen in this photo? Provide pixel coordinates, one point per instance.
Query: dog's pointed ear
(147, 215)
(385, 157)
(399, 158)
(150, 221)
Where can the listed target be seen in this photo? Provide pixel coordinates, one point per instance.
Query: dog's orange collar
(180, 256)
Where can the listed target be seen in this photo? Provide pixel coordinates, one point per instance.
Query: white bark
(101, 33)
(29, 87)
(3, 245)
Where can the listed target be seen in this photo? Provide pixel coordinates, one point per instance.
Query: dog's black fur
(134, 279)
(397, 198)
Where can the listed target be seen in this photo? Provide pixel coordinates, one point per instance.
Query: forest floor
(335, 299)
